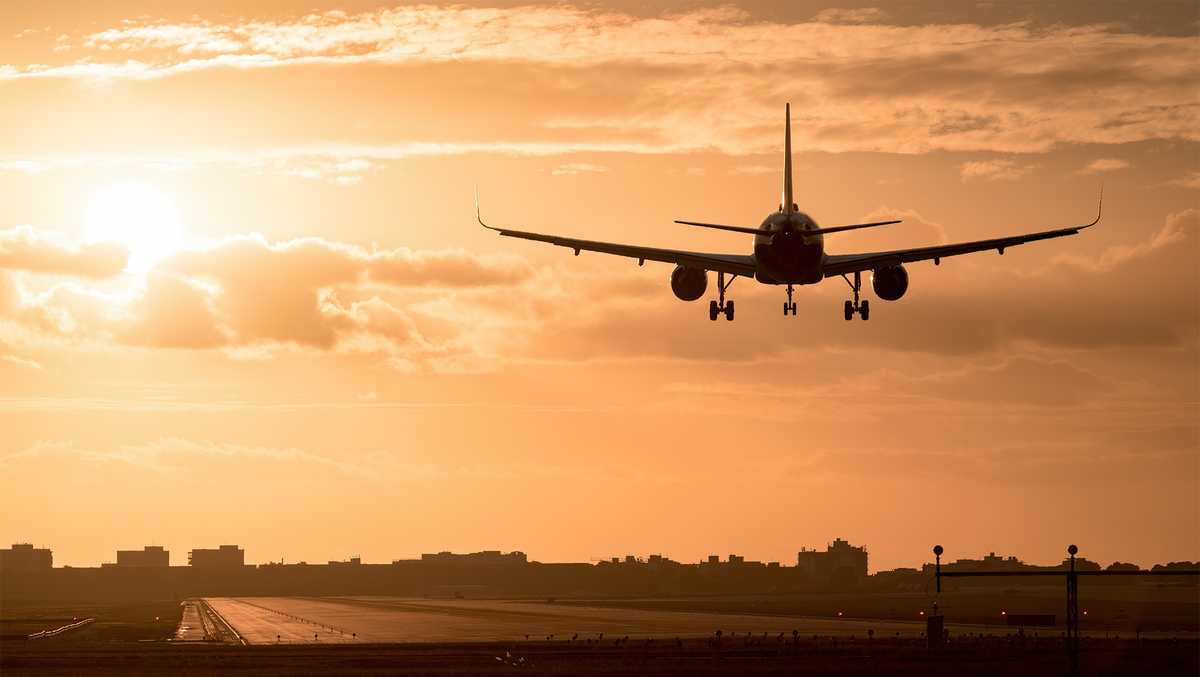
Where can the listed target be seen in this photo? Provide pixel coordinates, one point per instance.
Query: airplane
(789, 249)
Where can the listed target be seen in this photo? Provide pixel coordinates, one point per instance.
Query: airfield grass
(1155, 609)
(126, 622)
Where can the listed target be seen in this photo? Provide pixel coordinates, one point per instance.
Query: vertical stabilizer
(787, 206)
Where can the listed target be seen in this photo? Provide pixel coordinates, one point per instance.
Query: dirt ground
(695, 657)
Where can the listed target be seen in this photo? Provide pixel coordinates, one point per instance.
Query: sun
(138, 216)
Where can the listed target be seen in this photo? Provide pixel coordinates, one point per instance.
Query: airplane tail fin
(788, 205)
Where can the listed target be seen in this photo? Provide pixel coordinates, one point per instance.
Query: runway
(270, 620)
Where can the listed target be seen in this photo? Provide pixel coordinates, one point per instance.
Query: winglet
(478, 215)
(1099, 211)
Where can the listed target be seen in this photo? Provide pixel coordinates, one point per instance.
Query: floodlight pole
(1072, 575)
(1073, 611)
(937, 553)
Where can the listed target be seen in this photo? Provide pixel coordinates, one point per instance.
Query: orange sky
(243, 298)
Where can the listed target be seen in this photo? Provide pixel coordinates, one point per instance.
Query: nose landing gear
(789, 306)
(863, 308)
(721, 307)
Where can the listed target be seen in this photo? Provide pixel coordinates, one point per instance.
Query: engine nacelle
(890, 283)
(689, 284)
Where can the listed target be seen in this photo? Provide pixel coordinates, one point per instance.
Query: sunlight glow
(138, 216)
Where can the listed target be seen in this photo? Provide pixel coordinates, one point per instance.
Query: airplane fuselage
(789, 255)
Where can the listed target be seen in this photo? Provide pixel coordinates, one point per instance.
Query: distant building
(25, 557)
(224, 556)
(840, 561)
(484, 557)
(148, 556)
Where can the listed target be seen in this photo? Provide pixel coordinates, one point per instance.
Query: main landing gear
(789, 306)
(851, 307)
(720, 307)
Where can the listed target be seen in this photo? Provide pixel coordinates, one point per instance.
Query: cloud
(23, 248)
(754, 170)
(1180, 231)
(19, 361)
(173, 313)
(858, 15)
(1103, 165)
(288, 291)
(245, 291)
(169, 454)
(454, 311)
(994, 170)
(1075, 303)
(1192, 180)
(857, 86)
(573, 168)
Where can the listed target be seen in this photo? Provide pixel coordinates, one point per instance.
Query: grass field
(149, 621)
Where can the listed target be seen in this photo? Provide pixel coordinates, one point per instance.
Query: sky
(243, 297)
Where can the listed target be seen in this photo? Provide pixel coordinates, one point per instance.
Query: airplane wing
(850, 263)
(737, 264)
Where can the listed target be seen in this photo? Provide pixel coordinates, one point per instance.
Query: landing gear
(849, 308)
(789, 306)
(721, 306)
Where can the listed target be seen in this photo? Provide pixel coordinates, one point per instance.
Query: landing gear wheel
(848, 311)
(713, 310)
(864, 311)
(729, 311)
(793, 308)
(787, 308)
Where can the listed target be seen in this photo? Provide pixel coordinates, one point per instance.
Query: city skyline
(649, 557)
(244, 297)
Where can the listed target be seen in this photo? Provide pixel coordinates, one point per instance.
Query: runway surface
(269, 620)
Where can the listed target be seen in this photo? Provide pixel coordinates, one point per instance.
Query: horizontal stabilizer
(763, 231)
(721, 226)
(855, 226)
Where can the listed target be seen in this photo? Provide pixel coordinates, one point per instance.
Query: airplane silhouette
(789, 249)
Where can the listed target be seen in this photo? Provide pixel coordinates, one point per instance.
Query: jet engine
(890, 282)
(689, 284)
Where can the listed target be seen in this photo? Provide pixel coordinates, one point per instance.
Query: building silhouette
(148, 556)
(841, 562)
(484, 557)
(25, 557)
(224, 556)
